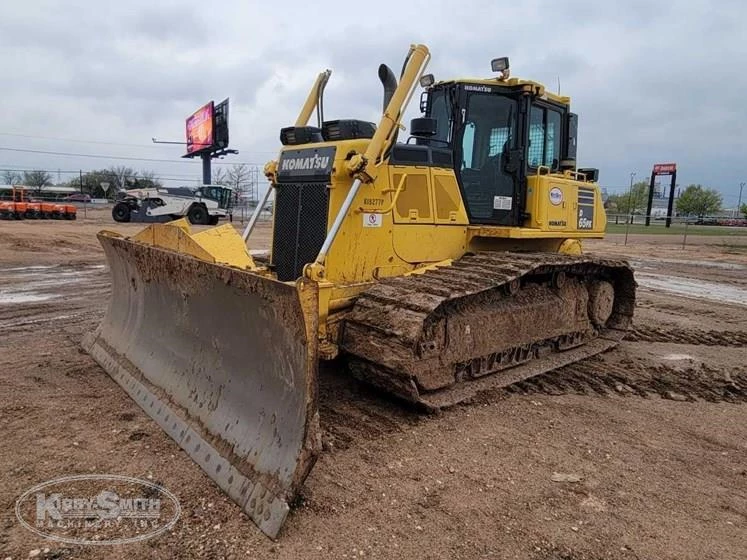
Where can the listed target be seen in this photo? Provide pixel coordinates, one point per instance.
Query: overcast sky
(652, 81)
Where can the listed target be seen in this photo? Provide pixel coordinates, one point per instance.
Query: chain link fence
(683, 226)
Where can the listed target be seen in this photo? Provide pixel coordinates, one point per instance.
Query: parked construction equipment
(436, 268)
(206, 204)
(21, 207)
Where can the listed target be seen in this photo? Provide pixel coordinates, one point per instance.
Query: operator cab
(498, 133)
(220, 194)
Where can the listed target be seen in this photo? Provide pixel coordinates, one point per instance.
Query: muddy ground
(655, 431)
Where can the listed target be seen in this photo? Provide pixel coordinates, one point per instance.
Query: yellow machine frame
(403, 219)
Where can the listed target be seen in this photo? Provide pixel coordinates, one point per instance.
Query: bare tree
(121, 176)
(147, 179)
(37, 179)
(220, 177)
(241, 177)
(10, 177)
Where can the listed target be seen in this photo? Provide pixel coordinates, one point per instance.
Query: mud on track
(654, 429)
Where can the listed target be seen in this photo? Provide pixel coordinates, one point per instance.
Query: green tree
(145, 180)
(700, 201)
(90, 182)
(633, 201)
(37, 179)
(743, 209)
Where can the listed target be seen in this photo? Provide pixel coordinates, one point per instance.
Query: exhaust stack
(389, 82)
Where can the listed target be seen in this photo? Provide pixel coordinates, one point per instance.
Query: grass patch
(677, 229)
(733, 249)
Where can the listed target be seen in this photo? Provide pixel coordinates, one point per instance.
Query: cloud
(651, 81)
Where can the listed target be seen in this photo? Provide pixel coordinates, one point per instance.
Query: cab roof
(538, 89)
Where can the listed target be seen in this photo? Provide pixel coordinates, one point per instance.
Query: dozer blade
(225, 361)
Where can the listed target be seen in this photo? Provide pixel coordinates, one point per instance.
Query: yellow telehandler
(436, 268)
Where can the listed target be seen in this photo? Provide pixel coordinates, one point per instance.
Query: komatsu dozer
(435, 267)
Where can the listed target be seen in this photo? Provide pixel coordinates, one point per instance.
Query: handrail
(255, 216)
(398, 190)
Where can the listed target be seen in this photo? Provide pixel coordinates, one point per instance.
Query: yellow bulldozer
(436, 267)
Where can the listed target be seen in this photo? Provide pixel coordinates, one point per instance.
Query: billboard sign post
(662, 169)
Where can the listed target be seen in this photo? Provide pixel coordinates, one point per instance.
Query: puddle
(33, 284)
(49, 273)
(34, 267)
(695, 289)
(24, 321)
(656, 264)
(677, 357)
(25, 297)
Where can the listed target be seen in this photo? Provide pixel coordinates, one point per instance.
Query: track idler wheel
(558, 280)
(512, 287)
(601, 302)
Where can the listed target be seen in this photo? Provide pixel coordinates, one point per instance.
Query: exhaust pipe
(389, 82)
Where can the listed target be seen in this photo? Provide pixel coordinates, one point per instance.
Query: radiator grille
(300, 227)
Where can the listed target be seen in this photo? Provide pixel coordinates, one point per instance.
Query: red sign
(665, 168)
(200, 129)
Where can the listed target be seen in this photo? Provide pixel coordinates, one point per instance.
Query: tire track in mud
(351, 411)
(65, 298)
(597, 377)
(682, 336)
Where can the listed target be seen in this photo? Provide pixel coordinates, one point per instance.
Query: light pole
(630, 208)
(739, 202)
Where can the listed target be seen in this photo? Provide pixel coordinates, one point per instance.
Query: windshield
(219, 194)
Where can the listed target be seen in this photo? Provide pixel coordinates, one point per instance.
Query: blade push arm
(313, 98)
(361, 166)
(313, 101)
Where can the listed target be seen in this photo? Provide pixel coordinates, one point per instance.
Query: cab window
(213, 193)
(441, 111)
(544, 137)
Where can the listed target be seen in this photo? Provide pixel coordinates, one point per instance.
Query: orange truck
(21, 207)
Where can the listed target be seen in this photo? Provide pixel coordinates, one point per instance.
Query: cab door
(488, 164)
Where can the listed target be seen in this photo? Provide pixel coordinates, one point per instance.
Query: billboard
(200, 132)
(220, 125)
(665, 168)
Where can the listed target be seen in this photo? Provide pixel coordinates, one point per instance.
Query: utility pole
(630, 207)
(739, 202)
